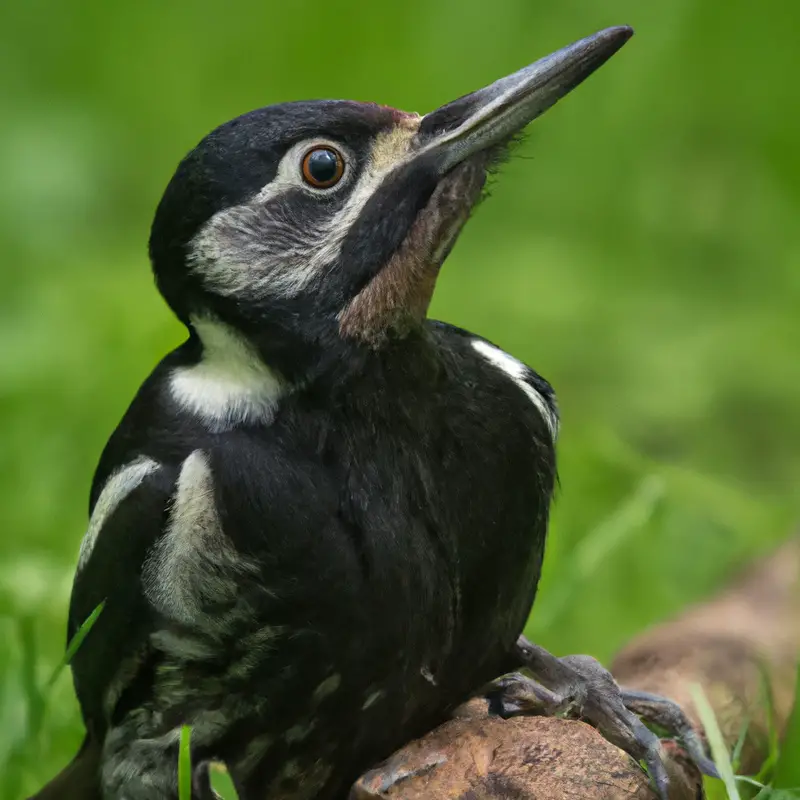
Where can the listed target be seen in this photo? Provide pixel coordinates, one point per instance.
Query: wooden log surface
(727, 645)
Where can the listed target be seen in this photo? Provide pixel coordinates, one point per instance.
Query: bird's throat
(396, 299)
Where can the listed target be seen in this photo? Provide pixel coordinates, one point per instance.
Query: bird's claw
(668, 716)
(580, 687)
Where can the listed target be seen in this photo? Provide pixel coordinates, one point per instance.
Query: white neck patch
(230, 385)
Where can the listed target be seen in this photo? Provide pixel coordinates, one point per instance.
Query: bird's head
(312, 226)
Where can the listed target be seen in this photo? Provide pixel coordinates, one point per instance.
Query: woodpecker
(320, 524)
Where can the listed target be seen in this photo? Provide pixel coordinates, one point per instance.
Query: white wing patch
(230, 385)
(119, 485)
(193, 563)
(516, 370)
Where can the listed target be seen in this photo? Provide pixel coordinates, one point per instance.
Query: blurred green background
(642, 251)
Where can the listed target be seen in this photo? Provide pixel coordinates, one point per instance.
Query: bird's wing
(209, 561)
(129, 516)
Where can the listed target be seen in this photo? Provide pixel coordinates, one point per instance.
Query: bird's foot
(580, 687)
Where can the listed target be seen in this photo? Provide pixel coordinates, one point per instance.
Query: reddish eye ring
(322, 166)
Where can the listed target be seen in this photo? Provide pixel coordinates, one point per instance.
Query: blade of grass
(736, 756)
(185, 764)
(221, 783)
(787, 769)
(34, 696)
(768, 700)
(719, 751)
(20, 709)
(75, 643)
(630, 517)
(751, 782)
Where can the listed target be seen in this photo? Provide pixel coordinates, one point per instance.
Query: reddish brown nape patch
(397, 298)
(402, 118)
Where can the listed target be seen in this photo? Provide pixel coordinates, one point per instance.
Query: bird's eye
(323, 167)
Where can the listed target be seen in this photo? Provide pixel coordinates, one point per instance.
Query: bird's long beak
(491, 115)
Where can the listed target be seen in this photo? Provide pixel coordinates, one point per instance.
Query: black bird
(320, 525)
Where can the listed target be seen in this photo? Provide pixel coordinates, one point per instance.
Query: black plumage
(320, 524)
(390, 553)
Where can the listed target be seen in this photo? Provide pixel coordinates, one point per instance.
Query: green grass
(185, 764)
(223, 785)
(25, 703)
(716, 742)
(642, 252)
(787, 770)
(74, 643)
(779, 779)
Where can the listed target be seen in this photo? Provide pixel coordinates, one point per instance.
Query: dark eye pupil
(323, 165)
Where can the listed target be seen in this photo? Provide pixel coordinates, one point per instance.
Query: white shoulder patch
(119, 485)
(230, 385)
(193, 562)
(516, 371)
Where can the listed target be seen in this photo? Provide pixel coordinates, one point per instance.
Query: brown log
(733, 645)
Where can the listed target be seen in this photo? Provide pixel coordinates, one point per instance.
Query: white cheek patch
(251, 251)
(517, 371)
(257, 250)
(194, 566)
(117, 488)
(230, 385)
